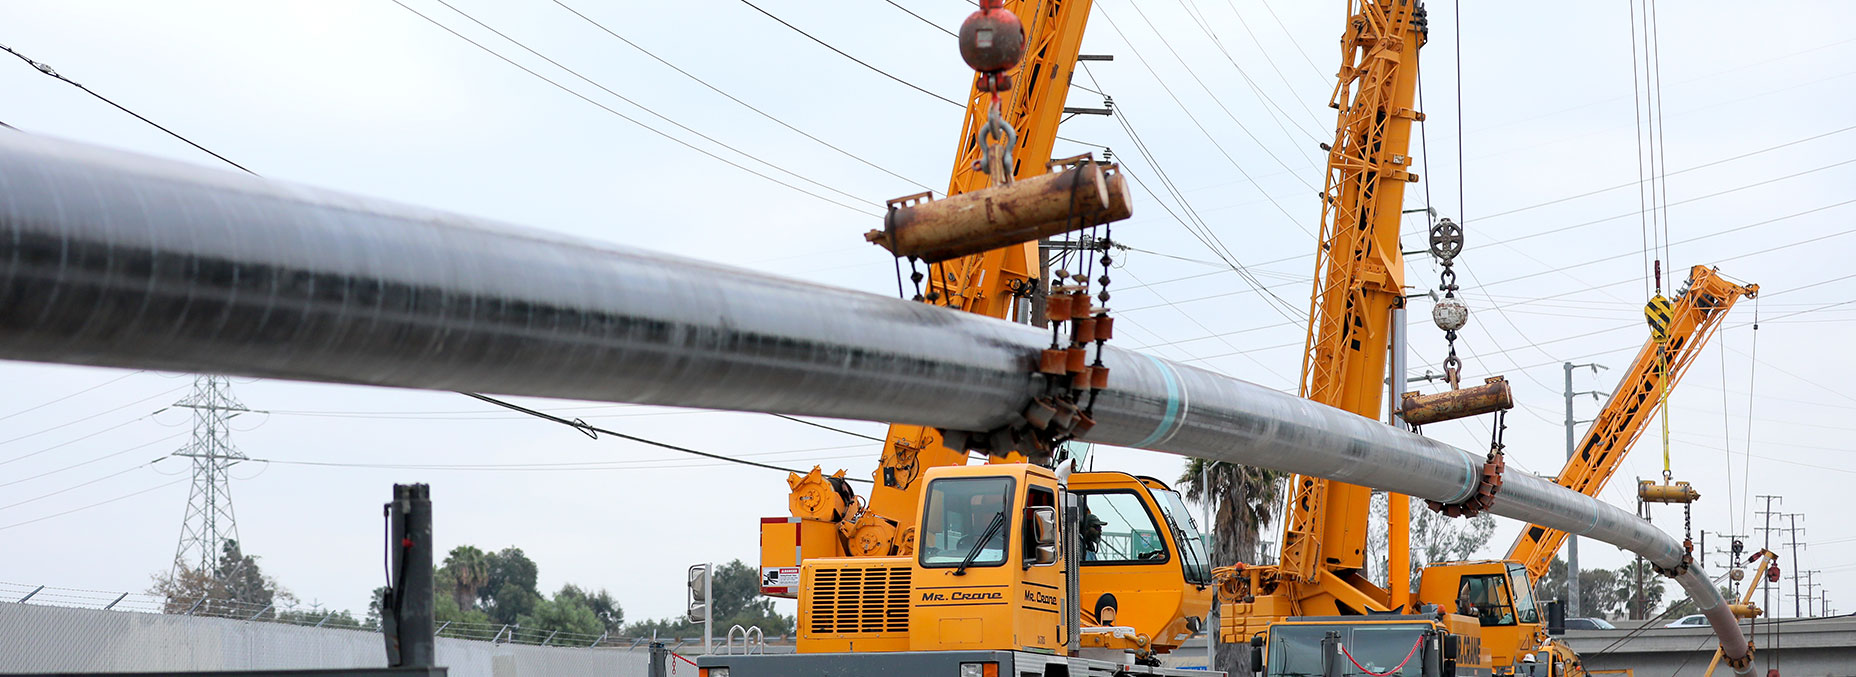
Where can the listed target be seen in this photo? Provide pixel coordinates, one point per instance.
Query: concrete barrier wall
(35, 638)
(1824, 647)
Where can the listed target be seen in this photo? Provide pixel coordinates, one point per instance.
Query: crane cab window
(1487, 598)
(1524, 608)
(1197, 568)
(1116, 528)
(967, 520)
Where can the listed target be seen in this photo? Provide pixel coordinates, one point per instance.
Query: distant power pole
(1766, 532)
(1810, 591)
(209, 521)
(1572, 540)
(1733, 550)
(1797, 567)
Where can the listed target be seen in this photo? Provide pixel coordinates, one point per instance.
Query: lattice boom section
(858, 599)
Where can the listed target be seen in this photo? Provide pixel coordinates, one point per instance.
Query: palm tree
(1245, 500)
(468, 570)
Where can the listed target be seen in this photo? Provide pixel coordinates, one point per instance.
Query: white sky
(366, 97)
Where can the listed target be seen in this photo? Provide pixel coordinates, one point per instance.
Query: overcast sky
(369, 97)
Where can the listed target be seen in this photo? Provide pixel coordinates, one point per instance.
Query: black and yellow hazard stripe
(1660, 313)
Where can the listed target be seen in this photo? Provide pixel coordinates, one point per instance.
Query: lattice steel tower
(209, 521)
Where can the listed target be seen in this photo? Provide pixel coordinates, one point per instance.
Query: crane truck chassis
(991, 583)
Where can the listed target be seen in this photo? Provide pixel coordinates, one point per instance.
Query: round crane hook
(992, 40)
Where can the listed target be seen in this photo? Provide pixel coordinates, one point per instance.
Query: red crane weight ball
(992, 40)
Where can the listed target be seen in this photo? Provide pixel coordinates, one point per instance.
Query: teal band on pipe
(1170, 418)
(1471, 479)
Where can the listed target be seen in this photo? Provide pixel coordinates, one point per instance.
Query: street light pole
(1572, 540)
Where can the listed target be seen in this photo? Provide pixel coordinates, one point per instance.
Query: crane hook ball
(992, 39)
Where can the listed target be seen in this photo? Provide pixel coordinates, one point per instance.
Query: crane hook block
(1421, 409)
(1085, 194)
(1677, 492)
(992, 40)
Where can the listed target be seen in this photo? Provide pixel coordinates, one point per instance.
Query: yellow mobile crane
(1308, 615)
(1317, 602)
(893, 575)
(1682, 328)
(1695, 314)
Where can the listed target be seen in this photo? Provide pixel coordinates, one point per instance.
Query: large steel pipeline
(118, 260)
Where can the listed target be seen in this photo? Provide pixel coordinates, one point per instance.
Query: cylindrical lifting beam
(111, 259)
(1066, 199)
(1679, 492)
(1422, 409)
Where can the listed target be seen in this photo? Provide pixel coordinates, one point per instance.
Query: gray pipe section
(117, 260)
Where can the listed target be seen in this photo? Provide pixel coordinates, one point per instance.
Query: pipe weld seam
(1171, 418)
(1471, 473)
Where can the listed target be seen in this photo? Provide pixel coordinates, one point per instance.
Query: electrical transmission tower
(209, 521)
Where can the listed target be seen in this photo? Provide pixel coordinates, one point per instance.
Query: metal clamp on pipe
(1084, 193)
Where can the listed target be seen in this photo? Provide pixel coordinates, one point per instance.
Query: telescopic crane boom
(1693, 318)
(1359, 279)
(997, 283)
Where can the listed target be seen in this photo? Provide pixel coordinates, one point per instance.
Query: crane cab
(1498, 596)
(985, 569)
(982, 573)
(1144, 566)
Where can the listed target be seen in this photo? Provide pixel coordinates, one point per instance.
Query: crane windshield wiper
(998, 520)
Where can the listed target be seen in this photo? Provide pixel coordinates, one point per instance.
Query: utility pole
(1212, 626)
(1797, 566)
(1572, 540)
(1735, 548)
(209, 520)
(1810, 590)
(1766, 532)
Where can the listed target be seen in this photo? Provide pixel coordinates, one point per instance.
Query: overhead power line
(847, 55)
(733, 98)
(923, 19)
(835, 430)
(81, 485)
(94, 505)
(94, 460)
(31, 409)
(643, 107)
(46, 69)
(591, 430)
(1201, 127)
(1205, 27)
(1197, 226)
(628, 118)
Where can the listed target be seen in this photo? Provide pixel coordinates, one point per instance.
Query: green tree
(736, 601)
(610, 615)
(1434, 538)
(445, 610)
(509, 590)
(326, 619)
(235, 585)
(566, 612)
(466, 571)
(1598, 589)
(1244, 500)
(1639, 602)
